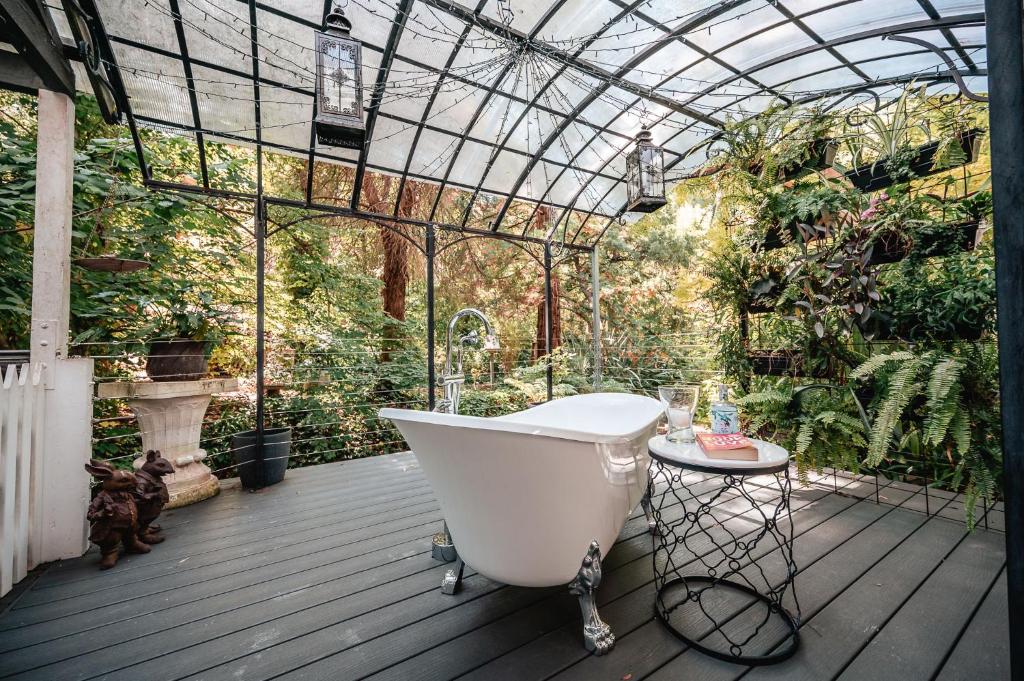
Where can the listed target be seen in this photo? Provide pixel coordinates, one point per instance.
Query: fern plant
(819, 423)
(946, 401)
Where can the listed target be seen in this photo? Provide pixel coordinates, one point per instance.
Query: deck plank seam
(896, 611)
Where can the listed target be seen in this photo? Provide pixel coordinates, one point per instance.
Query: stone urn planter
(170, 416)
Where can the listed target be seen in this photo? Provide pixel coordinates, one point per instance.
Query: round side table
(720, 583)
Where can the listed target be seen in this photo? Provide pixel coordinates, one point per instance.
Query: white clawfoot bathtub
(526, 495)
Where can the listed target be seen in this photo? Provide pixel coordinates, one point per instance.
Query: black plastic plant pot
(180, 359)
(277, 444)
(773, 236)
(955, 238)
(874, 176)
(771, 363)
(823, 154)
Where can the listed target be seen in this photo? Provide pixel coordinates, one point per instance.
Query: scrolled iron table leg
(721, 590)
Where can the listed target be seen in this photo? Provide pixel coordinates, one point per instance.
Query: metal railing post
(431, 369)
(595, 310)
(548, 319)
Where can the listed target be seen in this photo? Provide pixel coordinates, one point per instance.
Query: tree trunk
(540, 342)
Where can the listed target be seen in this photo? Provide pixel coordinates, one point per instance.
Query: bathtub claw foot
(452, 580)
(648, 507)
(597, 636)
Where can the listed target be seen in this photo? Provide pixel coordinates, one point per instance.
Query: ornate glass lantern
(645, 175)
(339, 84)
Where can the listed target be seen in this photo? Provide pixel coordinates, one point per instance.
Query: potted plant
(909, 163)
(186, 324)
(805, 213)
(775, 363)
(253, 473)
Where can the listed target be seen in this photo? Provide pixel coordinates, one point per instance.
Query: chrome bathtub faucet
(442, 547)
(451, 381)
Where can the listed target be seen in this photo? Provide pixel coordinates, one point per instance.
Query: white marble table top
(771, 457)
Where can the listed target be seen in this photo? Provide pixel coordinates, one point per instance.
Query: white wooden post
(67, 446)
(67, 402)
(51, 248)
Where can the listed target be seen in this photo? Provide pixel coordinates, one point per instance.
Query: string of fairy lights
(522, 93)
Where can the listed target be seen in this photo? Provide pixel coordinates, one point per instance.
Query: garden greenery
(885, 299)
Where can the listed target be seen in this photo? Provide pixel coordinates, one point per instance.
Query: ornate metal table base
(733, 611)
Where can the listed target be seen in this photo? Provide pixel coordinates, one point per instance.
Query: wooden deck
(328, 576)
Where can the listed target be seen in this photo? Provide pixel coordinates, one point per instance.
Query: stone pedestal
(170, 415)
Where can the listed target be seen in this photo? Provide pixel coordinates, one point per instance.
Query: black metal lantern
(339, 84)
(645, 175)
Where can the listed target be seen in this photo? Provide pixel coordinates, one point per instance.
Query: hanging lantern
(339, 84)
(645, 175)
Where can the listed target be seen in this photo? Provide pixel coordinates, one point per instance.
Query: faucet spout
(451, 380)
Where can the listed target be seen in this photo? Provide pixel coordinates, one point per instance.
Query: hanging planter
(875, 176)
(776, 363)
(950, 239)
(110, 263)
(822, 154)
(764, 293)
(798, 232)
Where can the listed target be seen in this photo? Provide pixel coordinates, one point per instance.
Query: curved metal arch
(468, 237)
(945, 58)
(693, 23)
(626, 10)
(491, 90)
(959, 20)
(319, 214)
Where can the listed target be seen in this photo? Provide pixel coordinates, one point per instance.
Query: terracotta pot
(180, 359)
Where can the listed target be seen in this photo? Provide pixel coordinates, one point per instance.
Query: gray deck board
(328, 576)
(983, 650)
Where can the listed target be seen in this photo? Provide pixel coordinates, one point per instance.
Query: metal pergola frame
(1004, 40)
(474, 18)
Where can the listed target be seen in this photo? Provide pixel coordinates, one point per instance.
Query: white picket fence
(21, 428)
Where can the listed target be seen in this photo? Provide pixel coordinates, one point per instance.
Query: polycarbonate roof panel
(538, 100)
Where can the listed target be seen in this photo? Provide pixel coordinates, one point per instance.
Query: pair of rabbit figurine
(123, 511)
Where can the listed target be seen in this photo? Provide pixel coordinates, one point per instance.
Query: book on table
(734, 447)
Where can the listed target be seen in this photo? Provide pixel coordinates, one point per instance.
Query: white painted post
(51, 248)
(67, 445)
(67, 401)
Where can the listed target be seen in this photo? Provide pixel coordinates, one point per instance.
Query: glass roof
(533, 99)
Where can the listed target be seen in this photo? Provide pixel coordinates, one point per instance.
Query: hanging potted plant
(186, 326)
(806, 213)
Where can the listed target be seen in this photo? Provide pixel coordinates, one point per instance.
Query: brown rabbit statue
(113, 516)
(151, 495)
